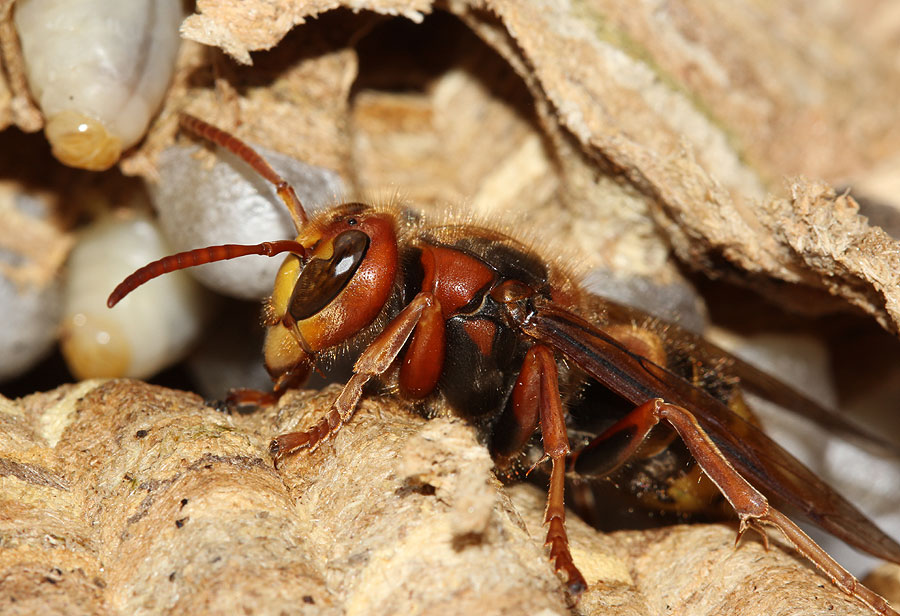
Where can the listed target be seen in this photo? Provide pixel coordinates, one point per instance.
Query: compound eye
(321, 280)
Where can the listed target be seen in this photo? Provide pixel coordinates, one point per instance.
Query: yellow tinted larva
(98, 69)
(147, 333)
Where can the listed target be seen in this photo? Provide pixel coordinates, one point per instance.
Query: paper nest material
(622, 134)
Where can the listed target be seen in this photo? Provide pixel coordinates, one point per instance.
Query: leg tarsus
(839, 576)
(286, 444)
(557, 539)
(341, 410)
(750, 523)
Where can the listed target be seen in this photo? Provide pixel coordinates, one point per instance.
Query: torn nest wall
(694, 113)
(641, 139)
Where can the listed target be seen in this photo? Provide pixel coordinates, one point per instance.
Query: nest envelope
(628, 136)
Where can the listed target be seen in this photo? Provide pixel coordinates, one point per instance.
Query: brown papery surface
(639, 137)
(124, 498)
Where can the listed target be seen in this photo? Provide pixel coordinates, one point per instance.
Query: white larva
(229, 203)
(146, 331)
(32, 248)
(98, 69)
(28, 326)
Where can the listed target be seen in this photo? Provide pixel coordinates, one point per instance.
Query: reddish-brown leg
(536, 393)
(752, 508)
(252, 399)
(248, 399)
(521, 417)
(423, 361)
(375, 360)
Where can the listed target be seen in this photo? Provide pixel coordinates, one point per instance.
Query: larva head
(80, 141)
(339, 289)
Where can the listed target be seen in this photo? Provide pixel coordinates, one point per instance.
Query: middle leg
(536, 399)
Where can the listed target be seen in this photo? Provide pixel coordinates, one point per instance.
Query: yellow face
(284, 285)
(338, 291)
(281, 350)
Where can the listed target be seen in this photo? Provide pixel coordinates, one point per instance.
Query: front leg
(374, 361)
(247, 400)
